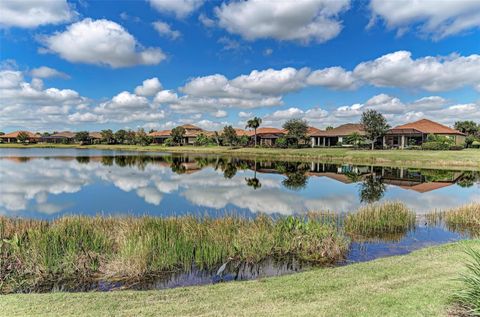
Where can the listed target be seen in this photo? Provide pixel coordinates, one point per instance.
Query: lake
(50, 183)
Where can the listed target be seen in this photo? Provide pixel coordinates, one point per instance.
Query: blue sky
(160, 63)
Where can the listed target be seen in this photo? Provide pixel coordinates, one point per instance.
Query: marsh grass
(385, 221)
(34, 253)
(464, 219)
(469, 296)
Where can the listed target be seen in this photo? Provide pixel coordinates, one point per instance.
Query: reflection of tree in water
(229, 170)
(372, 189)
(107, 160)
(253, 182)
(468, 179)
(296, 173)
(83, 159)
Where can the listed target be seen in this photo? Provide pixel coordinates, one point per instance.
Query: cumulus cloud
(245, 115)
(181, 8)
(165, 96)
(332, 77)
(438, 20)
(164, 29)
(47, 72)
(206, 21)
(303, 21)
(149, 87)
(429, 73)
(100, 42)
(220, 114)
(31, 14)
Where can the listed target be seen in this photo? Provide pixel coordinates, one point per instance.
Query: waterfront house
(65, 137)
(336, 135)
(415, 133)
(267, 136)
(12, 137)
(159, 137)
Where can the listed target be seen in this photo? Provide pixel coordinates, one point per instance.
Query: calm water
(48, 183)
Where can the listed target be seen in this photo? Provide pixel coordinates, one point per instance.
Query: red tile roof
(164, 133)
(16, 133)
(427, 126)
(342, 130)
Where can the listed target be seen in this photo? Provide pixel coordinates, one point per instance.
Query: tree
(297, 129)
(130, 137)
(372, 189)
(375, 125)
(329, 128)
(354, 138)
(120, 136)
(254, 124)
(467, 127)
(82, 137)
(229, 135)
(178, 134)
(23, 137)
(107, 136)
(142, 138)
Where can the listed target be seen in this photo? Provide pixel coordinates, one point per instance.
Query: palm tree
(254, 124)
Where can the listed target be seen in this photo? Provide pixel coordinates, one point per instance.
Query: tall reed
(36, 252)
(464, 219)
(389, 220)
(469, 296)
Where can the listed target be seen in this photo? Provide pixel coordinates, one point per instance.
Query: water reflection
(179, 184)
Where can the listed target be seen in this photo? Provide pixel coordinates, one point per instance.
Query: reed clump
(386, 221)
(34, 253)
(464, 219)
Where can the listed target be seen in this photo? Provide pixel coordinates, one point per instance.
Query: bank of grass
(417, 284)
(465, 159)
(390, 221)
(468, 297)
(35, 254)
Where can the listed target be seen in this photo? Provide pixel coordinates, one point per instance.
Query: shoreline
(421, 282)
(468, 159)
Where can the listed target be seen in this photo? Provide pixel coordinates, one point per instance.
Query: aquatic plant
(469, 296)
(36, 253)
(388, 220)
(463, 219)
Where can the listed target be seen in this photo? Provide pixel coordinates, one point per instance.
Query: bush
(456, 147)
(435, 146)
(414, 147)
(169, 142)
(281, 142)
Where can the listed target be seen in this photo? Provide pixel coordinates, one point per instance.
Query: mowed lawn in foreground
(468, 158)
(417, 284)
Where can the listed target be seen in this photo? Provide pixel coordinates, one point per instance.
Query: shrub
(456, 147)
(435, 146)
(469, 296)
(169, 142)
(281, 142)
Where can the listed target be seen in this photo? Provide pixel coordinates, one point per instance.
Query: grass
(469, 296)
(463, 219)
(417, 284)
(466, 159)
(389, 220)
(35, 254)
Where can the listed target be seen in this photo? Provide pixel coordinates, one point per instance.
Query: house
(191, 133)
(336, 135)
(12, 137)
(64, 137)
(159, 137)
(416, 133)
(267, 136)
(95, 137)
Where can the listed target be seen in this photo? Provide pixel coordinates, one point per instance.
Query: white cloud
(429, 73)
(285, 114)
(428, 103)
(100, 42)
(438, 19)
(181, 8)
(304, 21)
(245, 115)
(268, 52)
(385, 104)
(164, 29)
(220, 114)
(149, 87)
(206, 21)
(165, 96)
(332, 77)
(31, 14)
(47, 72)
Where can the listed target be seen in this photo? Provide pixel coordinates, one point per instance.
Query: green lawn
(418, 284)
(466, 159)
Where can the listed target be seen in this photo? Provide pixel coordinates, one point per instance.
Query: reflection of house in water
(421, 181)
(343, 173)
